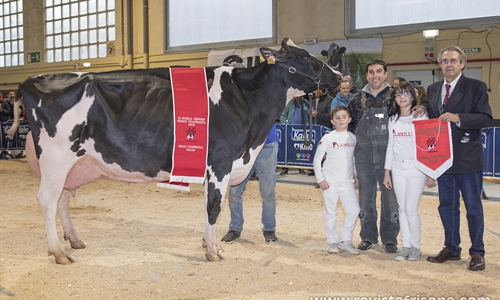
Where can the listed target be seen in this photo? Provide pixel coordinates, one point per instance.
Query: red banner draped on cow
(191, 107)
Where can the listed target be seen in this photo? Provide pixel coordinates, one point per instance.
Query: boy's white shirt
(339, 165)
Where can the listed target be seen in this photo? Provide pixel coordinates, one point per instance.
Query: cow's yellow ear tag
(271, 60)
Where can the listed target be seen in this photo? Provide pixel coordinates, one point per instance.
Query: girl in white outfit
(338, 179)
(408, 181)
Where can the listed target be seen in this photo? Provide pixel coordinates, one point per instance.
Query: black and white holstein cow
(337, 59)
(119, 125)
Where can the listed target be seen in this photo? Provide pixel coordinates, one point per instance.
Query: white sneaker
(415, 254)
(403, 254)
(334, 248)
(347, 246)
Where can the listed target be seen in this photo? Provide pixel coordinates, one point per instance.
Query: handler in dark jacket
(320, 108)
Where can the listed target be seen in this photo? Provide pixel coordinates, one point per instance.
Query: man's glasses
(405, 93)
(452, 61)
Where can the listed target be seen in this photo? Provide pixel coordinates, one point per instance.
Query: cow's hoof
(214, 257)
(78, 245)
(66, 260)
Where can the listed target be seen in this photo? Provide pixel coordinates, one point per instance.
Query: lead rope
(306, 142)
(311, 104)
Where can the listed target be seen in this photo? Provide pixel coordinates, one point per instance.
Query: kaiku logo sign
(302, 146)
(298, 135)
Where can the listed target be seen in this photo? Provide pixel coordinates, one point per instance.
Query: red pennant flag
(433, 146)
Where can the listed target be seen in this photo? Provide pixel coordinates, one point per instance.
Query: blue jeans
(371, 146)
(265, 164)
(450, 187)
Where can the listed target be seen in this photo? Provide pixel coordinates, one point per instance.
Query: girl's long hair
(395, 109)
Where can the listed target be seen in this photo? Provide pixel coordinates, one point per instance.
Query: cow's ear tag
(271, 60)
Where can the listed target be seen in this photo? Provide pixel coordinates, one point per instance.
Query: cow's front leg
(215, 191)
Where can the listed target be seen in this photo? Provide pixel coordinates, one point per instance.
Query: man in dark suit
(463, 102)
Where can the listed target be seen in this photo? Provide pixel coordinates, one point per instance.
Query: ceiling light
(428, 34)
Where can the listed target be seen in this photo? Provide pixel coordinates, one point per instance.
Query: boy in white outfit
(338, 179)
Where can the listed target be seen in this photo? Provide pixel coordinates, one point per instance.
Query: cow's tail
(15, 125)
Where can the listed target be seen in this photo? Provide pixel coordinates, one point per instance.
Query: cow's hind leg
(69, 229)
(50, 192)
(48, 197)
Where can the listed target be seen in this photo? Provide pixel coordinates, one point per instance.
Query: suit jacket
(469, 100)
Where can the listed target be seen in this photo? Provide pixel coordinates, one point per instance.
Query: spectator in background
(11, 98)
(353, 89)
(5, 110)
(321, 110)
(294, 113)
(421, 96)
(5, 115)
(344, 96)
(397, 81)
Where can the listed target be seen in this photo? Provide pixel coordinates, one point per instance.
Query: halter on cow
(119, 125)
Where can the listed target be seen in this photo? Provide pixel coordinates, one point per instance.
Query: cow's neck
(268, 98)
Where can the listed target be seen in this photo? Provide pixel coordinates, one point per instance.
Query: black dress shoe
(442, 256)
(476, 263)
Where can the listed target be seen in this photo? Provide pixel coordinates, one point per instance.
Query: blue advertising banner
(293, 150)
(18, 141)
(487, 138)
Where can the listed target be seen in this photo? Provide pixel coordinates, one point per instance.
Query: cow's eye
(305, 57)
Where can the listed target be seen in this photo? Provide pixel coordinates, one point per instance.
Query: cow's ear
(269, 55)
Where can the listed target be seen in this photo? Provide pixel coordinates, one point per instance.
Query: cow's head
(304, 72)
(336, 59)
(232, 59)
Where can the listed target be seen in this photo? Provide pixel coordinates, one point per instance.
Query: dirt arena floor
(144, 242)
